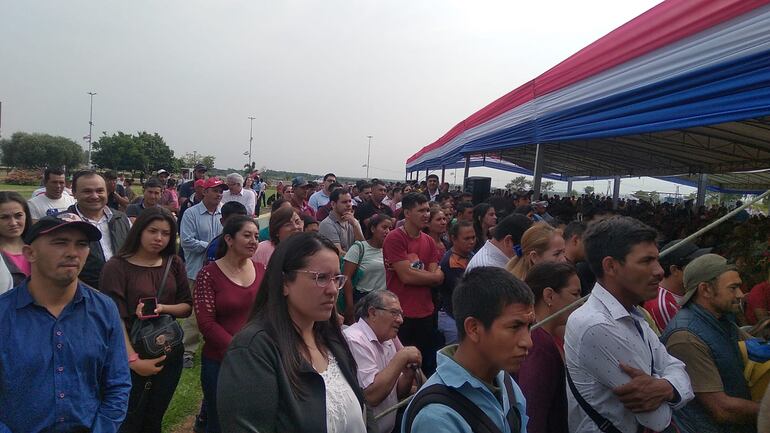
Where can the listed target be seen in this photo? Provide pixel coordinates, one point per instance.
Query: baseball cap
(683, 254)
(199, 167)
(161, 171)
(298, 182)
(199, 183)
(49, 224)
(214, 182)
(704, 268)
(541, 203)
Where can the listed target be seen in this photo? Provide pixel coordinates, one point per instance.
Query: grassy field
(24, 190)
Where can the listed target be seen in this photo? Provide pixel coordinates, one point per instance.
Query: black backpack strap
(165, 277)
(603, 423)
(513, 416)
(442, 394)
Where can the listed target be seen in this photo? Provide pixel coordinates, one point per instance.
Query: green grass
(24, 190)
(187, 397)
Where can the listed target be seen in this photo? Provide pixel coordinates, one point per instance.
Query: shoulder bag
(160, 335)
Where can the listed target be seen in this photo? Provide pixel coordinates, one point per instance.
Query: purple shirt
(543, 382)
(372, 357)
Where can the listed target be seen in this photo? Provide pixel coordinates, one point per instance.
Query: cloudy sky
(319, 76)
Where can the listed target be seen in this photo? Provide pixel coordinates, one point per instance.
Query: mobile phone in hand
(148, 309)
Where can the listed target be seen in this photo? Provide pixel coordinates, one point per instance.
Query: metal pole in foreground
(251, 137)
(90, 126)
(580, 301)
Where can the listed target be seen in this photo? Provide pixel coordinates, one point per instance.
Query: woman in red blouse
(224, 294)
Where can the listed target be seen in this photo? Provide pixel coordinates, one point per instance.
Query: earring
(549, 305)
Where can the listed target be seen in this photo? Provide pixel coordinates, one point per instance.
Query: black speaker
(480, 187)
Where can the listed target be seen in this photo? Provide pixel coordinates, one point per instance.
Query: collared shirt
(318, 199)
(663, 307)
(371, 358)
(488, 255)
(198, 228)
(439, 418)
(62, 374)
(103, 225)
(600, 335)
(246, 197)
(339, 232)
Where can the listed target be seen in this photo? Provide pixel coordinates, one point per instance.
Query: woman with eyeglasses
(224, 294)
(290, 369)
(284, 223)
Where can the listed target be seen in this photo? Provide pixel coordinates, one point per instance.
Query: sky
(318, 76)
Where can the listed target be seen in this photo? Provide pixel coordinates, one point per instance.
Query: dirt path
(185, 426)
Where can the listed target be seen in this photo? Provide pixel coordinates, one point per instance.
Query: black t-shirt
(587, 278)
(187, 189)
(367, 210)
(112, 202)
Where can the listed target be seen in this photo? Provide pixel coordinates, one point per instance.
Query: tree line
(141, 153)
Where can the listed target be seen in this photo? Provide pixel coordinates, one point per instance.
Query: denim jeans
(209, 379)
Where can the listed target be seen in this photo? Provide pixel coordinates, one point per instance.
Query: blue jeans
(448, 327)
(209, 379)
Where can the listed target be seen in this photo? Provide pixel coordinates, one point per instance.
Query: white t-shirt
(41, 205)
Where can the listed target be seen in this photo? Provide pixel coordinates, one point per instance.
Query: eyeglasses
(322, 279)
(395, 313)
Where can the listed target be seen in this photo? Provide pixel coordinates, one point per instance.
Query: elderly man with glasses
(386, 369)
(236, 192)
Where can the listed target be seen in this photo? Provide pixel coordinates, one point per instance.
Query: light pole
(90, 126)
(368, 154)
(251, 138)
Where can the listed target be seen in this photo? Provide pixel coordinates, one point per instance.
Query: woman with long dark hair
(224, 294)
(128, 277)
(484, 219)
(15, 221)
(284, 222)
(541, 375)
(366, 256)
(437, 230)
(290, 369)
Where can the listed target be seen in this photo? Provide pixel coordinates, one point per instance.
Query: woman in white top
(290, 368)
(367, 256)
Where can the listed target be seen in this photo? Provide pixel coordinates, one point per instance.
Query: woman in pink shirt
(15, 221)
(284, 222)
(224, 293)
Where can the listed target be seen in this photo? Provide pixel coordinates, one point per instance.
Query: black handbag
(157, 336)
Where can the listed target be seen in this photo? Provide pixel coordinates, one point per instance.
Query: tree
(519, 183)
(25, 150)
(589, 190)
(651, 196)
(190, 159)
(142, 152)
(546, 186)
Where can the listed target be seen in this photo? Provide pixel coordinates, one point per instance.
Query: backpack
(472, 414)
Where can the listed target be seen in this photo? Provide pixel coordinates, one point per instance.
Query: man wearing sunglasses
(386, 369)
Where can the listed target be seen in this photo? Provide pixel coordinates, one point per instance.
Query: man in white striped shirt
(505, 243)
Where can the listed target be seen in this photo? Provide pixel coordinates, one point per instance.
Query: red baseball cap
(213, 182)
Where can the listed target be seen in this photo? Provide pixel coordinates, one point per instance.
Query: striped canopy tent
(680, 92)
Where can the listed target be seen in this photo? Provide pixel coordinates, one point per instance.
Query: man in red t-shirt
(664, 307)
(411, 269)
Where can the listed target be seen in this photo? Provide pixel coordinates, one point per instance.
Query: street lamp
(368, 154)
(251, 138)
(90, 126)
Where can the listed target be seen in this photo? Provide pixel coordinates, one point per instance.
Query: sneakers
(189, 361)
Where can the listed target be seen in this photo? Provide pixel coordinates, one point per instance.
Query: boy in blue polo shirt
(494, 311)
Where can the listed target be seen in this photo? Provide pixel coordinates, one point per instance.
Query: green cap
(704, 268)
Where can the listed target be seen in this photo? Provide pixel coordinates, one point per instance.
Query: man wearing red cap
(199, 225)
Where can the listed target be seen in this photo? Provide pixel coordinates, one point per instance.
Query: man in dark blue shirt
(63, 361)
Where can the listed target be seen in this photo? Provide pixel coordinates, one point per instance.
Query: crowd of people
(357, 296)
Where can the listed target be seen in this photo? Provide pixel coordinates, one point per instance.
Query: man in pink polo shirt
(386, 369)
